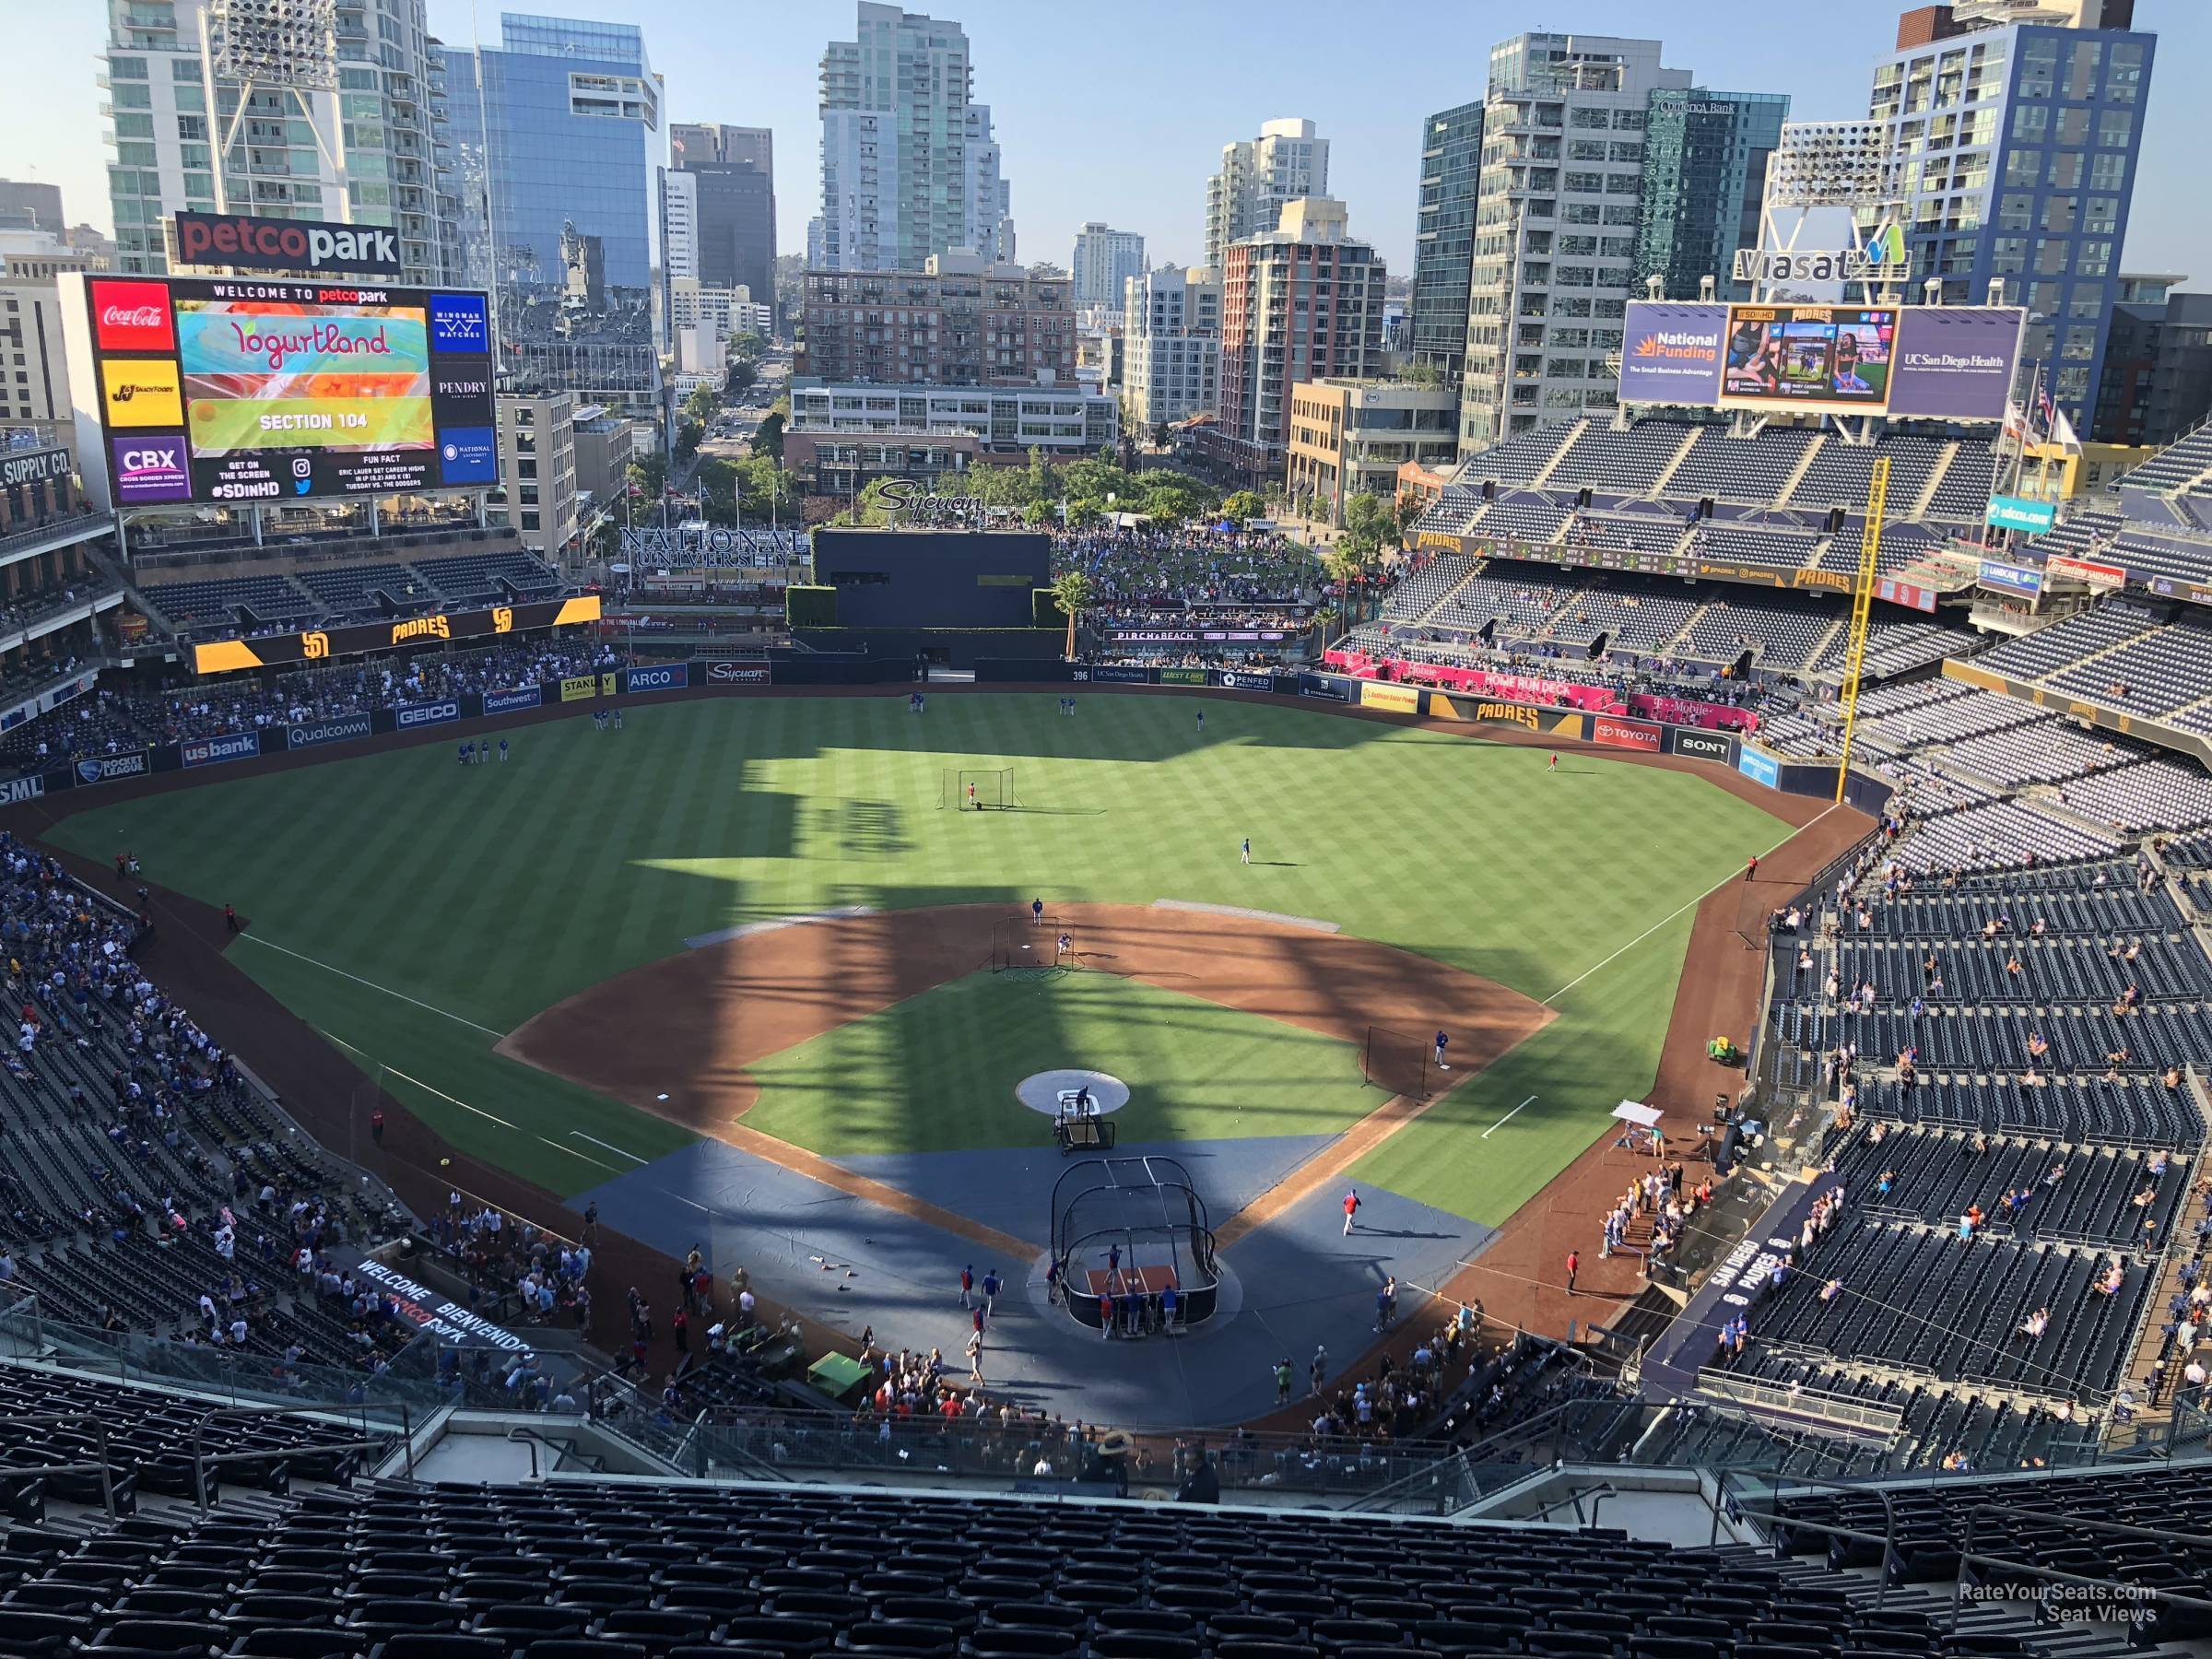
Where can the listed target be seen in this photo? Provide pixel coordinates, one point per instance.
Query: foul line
(1507, 1118)
(1670, 916)
(617, 1151)
(477, 1111)
(254, 939)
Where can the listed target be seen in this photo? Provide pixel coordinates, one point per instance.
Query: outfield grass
(937, 1072)
(487, 894)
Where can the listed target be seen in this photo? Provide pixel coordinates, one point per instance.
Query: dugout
(1145, 1210)
(908, 579)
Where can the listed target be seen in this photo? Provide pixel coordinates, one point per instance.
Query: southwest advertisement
(233, 389)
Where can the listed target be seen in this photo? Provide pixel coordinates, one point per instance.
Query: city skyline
(1139, 157)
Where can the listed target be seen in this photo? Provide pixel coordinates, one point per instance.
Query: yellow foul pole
(1862, 608)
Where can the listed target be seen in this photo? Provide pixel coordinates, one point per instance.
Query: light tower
(286, 47)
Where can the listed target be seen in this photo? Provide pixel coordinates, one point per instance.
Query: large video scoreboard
(227, 391)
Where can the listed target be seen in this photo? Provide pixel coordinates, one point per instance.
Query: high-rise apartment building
(679, 223)
(1170, 345)
(961, 321)
(1257, 176)
(2018, 142)
(34, 369)
(1704, 180)
(734, 171)
(910, 168)
(559, 153)
(339, 124)
(561, 123)
(1300, 302)
(1104, 261)
(31, 206)
(1443, 237)
(1560, 198)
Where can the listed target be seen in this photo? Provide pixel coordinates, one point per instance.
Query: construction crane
(1862, 609)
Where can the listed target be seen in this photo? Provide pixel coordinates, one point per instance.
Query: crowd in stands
(110, 722)
(1139, 570)
(146, 1194)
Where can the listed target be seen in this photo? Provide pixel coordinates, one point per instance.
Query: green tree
(747, 347)
(1245, 504)
(1422, 374)
(1084, 513)
(687, 434)
(1368, 522)
(650, 474)
(1072, 593)
(768, 438)
(701, 405)
(742, 374)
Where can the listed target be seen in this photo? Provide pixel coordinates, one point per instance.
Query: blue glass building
(2017, 145)
(557, 132)
(1704, 178)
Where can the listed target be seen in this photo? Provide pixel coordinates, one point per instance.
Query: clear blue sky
(1118, 111)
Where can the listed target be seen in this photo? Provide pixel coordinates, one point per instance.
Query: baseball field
(424, 915)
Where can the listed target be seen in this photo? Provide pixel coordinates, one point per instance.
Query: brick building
(960, 322)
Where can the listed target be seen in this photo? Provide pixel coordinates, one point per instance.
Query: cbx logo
(429, 713)
(457, 323)
(150, 469)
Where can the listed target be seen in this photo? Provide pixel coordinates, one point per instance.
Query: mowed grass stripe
(497, 896)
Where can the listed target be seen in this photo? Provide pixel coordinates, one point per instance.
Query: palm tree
(1071, 591)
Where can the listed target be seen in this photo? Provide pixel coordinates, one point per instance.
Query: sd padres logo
(502, 619)
(314, 645)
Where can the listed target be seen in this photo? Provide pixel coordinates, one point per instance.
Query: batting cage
(1136, 1230)
(1398, 1062)
(1023, 943)
(989, 788)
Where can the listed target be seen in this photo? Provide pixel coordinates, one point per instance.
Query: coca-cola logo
(131, 316)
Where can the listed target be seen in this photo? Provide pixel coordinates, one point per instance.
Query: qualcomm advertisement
(344, 729)
(1759, 768)
(1942, 363)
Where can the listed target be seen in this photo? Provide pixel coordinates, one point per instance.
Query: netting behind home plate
(1133, 1227)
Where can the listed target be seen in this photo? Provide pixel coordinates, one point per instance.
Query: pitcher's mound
(1041, 1092)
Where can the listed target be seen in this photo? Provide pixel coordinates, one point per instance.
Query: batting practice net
(992, 786)
(1134, 1228)
(1398, 1062)
(1021, 943)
